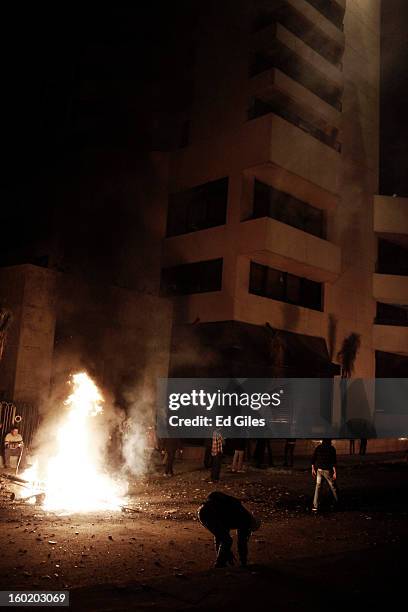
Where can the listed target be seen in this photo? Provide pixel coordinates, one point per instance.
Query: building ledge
(391, 218)
(391, 339)
(390, 288)
(287, 248)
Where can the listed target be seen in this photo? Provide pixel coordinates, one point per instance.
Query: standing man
(14, 446)
(239, 446)
(170, 446)
(221, 513)
(324, 466)
(216, 453)
(363, 446)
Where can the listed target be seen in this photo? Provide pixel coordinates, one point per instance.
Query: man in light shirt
(14, 446)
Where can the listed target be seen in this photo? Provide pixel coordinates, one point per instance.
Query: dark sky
(47, 54)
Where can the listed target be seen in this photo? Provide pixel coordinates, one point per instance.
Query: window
(392, 258)
(270, 202)
(391, 314)
(199, 277)
(390, 365)
(284, 287)
(198, 208)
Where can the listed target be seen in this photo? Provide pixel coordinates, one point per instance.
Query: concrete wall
(62, 323)
(29, 292)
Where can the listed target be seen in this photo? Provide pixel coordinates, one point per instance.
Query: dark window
(199, 277)
(198, 208)
(391, 314)
(392, 258)
(285, 287)
(331, 10)
(280, 105)
(304, 29)
(277, 55)
(270, 202)
(390, 365)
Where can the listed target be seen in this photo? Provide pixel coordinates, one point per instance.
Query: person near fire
(324, 466)
(222, 513)
(14, 446)
(170, 447)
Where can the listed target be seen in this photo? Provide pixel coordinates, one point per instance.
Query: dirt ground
(161, 557)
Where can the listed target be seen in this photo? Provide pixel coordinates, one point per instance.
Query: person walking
(239, 446)
(216, 453)
(324, 466)
(219, 514)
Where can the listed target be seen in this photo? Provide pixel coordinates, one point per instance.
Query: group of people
(222, 513)
(214, 451)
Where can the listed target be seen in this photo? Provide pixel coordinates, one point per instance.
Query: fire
(74, 477)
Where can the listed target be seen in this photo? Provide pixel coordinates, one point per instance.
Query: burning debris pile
(72, 478)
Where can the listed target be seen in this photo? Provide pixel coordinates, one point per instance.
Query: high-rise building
(271, 205)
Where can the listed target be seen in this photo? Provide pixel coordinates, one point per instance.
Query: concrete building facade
(273, 211)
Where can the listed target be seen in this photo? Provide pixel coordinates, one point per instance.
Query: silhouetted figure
(259, 454)
(170, 446)
(352, 446)
(363, 446)
(207, 453)
(221, 513)
(324, 462)
(289, 452)
(239, 446)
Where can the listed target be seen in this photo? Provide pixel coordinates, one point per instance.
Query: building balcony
(333, 10)
(289, 249)
(320, 21)
(391, 218)
(268, 145)
(293, 149)
(195, 246)
(390, 339)
(275, 46)
(390, 288)
(274, 80)
(308, 24)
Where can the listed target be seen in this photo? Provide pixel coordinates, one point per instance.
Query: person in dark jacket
(324, 466)
(170, 446)
(263, 444)
(219, 514)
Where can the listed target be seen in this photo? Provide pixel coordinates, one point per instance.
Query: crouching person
(221, 513)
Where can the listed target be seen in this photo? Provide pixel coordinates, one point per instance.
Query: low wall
(304, 448)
